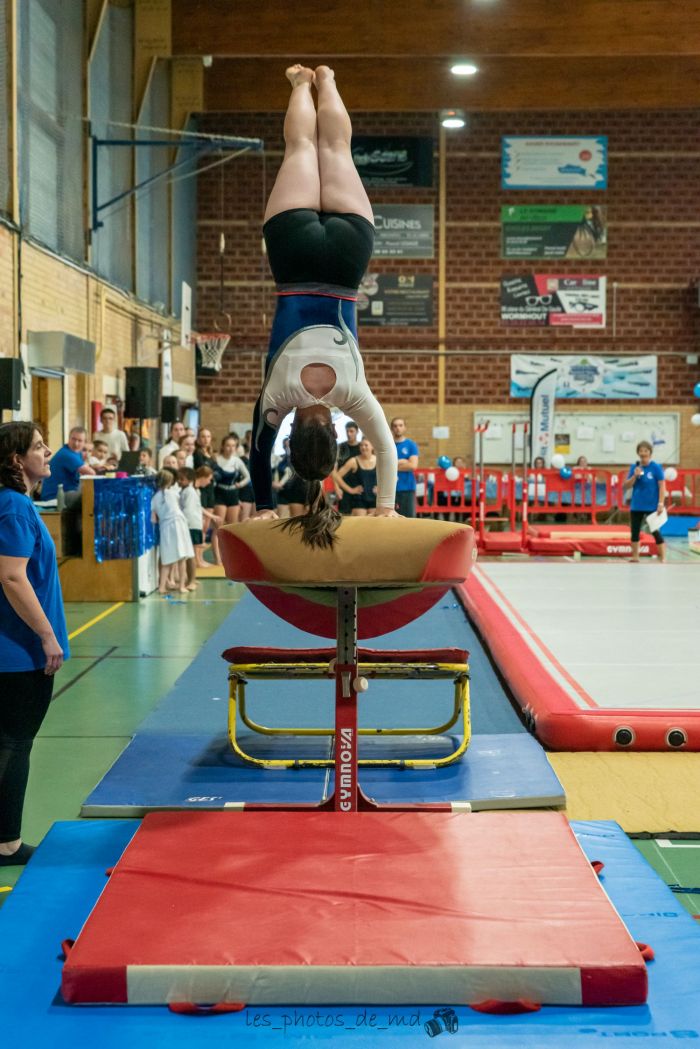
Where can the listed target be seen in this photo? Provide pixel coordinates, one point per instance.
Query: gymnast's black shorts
(318, 247)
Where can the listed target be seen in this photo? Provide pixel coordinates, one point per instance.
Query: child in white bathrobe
(175, 542)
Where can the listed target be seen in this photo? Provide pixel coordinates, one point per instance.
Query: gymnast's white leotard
(333, 343)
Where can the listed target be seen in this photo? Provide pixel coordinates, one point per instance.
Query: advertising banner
(542, 402)
(393, 161)
(605, 378)
(551, 300)
(403, 299)
(404, 231)
(556, 231)
(560, 162)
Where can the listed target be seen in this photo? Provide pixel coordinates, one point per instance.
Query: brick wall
(653, 207)
(57, 296)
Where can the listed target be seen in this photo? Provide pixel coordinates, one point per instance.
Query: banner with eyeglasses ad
(557, 162)
(553, 231)
(586, 375)
(553, 300)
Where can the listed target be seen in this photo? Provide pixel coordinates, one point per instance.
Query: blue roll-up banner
(542, 402)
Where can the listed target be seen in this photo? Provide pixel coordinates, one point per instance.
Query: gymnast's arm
(261, 465)
(368, 412)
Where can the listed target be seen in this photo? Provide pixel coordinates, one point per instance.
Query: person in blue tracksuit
(646, 479)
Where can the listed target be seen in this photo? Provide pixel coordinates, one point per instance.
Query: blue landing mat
(56, 893)
(180, 757)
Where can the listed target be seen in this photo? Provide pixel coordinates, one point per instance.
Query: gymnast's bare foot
(299, 74)
(322, 73)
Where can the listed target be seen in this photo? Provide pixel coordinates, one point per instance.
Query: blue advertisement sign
(558, 162)
(586, 375)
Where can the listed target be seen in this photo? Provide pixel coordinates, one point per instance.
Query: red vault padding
(406, 907)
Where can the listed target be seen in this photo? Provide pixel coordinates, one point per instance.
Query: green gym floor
(125, 659)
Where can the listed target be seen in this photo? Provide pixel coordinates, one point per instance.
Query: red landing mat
(274, 907)
(593, 540)
(562, 539)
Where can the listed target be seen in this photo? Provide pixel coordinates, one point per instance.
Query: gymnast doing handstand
(319, 233)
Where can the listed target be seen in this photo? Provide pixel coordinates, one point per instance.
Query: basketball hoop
(211, 346)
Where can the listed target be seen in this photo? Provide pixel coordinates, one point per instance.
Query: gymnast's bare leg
(341, 186)
(298, 182)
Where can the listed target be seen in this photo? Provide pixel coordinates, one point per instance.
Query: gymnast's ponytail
(319, 525)
(313, 449)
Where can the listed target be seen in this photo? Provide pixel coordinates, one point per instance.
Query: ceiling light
(452, 118)
(464, 69)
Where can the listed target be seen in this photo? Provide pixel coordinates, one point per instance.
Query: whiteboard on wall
(605, 438)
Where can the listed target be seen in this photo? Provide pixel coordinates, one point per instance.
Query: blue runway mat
(181, 758)
(190, 772)
(194, 705)
(56, 893)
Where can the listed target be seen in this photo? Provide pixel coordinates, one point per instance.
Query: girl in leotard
(358, 476)
(319, 232)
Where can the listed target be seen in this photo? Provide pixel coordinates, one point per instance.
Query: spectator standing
(358, 479)
(204, 454)
(191, 506)
(204, 483)
(246, 495)
(33, 636)
(187, 444)
(177, 430)
(175, 543)
(230, 476)
(67, 466)
(407, 452)
(349, 449)
(115, 439)
(646, 479)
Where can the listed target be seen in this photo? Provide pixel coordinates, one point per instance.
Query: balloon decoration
(565, 473)
(444, 461)
(558, 461)
(452, 473)
(695, 419)
(696, 391)
(123, 527)
(670, 473)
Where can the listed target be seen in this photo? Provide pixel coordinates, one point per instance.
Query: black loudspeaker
(142, 399)
(10, 383)
(170, 409)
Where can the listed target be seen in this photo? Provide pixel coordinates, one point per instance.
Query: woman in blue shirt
(33, 638)
(646, 479)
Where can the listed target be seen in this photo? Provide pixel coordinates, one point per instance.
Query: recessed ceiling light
(452, 118)
(464, 69)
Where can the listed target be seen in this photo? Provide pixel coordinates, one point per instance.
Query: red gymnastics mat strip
(592, 540)
(562, 714)
(366, 908)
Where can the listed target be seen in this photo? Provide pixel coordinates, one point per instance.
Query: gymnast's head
(313, 450)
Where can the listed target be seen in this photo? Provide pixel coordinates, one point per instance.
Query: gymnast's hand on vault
(265, 515)
(383, 511)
